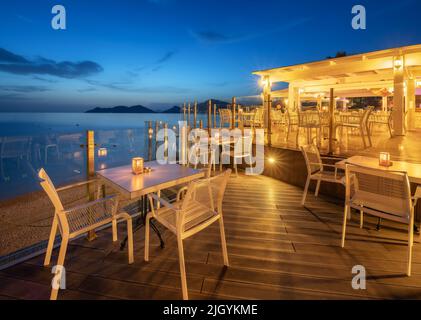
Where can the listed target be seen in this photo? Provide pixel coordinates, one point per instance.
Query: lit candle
(137, 165)
(384, 159)
(102, 152)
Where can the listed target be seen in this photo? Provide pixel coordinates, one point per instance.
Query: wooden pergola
(392, 72)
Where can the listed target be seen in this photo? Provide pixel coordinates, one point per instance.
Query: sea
(56, 142)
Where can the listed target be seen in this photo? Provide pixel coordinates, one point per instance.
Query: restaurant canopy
(392, 72)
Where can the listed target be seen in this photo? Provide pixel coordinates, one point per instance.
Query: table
(132, 187)
(413, 169)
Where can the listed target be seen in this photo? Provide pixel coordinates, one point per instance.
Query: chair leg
(182, 268)
(362, 137)
(347, 209)
(369, 137)
(114, 227)
(147, 227)
(361, 219)
(60, 262)
(303, 201)
(317, 188)
(410, 243)
(50, 245)
(223, 241)
(130, 240)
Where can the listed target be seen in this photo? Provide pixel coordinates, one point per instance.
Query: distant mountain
(122, 109)
(174, 109)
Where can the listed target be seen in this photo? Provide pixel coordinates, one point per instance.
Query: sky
(160, 53)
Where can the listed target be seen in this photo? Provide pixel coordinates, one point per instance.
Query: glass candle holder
(102, 152)
(384, 159)
(137, 165)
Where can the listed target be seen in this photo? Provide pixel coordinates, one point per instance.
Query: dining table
(131, 186)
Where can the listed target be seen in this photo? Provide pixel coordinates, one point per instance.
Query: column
(410, 103)
(398, 97)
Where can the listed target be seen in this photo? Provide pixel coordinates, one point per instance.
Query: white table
(132, 187)
(413, 169)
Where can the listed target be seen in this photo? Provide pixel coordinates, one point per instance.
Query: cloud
(166, 57)
(127, 87)
(210, 36)
(23, 89)
(44, 79)
(16, 64)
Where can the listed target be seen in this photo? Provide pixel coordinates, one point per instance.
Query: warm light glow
(102, 152)
(398, 63)
(300, 91)
(384, 159)
(265, 82)
(271, 160)
(418, 83)
(137, 165)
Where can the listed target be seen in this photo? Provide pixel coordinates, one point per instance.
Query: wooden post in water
(90, 172)
(214, 115)
(233, 103)
(156, 135)
(209, 115)
(195, 115)
(201, 124)
(184, 111)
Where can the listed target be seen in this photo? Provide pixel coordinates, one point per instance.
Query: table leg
(140, 222)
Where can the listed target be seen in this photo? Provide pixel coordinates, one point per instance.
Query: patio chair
(74, 222)
(383, 194)
(225, 117)
(361, 125)
(381, 119)
(316, 170)
(258, 119)
(241, 149)
(200, 207)
(308, 121)
(292, 121)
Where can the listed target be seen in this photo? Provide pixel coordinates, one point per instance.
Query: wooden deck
(277, 250)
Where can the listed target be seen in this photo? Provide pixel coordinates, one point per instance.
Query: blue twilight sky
(162, 52)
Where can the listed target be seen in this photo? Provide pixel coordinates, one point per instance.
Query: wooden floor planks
(277, 248)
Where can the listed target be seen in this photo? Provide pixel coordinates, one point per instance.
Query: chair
(316, 170)
(381, 119)
(258, 119)
(200, 207)
(308, 120)
(241, 149)
(292, 121)
(361, 125)
(225, 117)
(80, 219)
(383, 194)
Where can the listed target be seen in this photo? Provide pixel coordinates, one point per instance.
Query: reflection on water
(56, 142)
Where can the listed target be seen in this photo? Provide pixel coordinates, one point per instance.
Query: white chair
(316, 170)
(381, 119)
(81, 219)
(225, 117)
(200, 207)
(241, 149)
(383, 194)
(292, 121)
(362, 125)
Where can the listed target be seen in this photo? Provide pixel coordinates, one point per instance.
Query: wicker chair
(383, 194)
(81, 219)
(316, 170)
(200, 207)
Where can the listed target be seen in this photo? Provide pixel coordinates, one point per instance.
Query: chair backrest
(379, 190)
(244, 145)
(224, 116)
(366, 115)
(292, 118)
(312, 158)
(205, 193)
(50, 189)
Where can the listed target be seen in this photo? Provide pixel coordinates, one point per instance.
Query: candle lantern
(384, 159)
(102, 152)
(137, 165)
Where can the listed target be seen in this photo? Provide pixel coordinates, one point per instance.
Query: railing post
(166, 141)
(209, 115)
(233, 104)
(195, 115)
(150, 133)
(188, 113)
(214, 115)
(90, 172)
(184, 112)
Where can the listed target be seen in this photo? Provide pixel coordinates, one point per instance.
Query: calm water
(29, 141)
